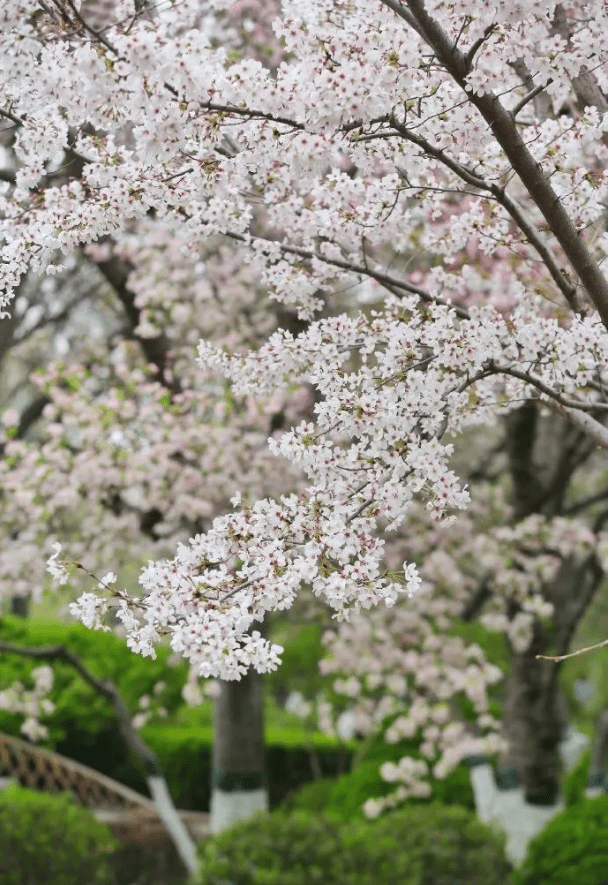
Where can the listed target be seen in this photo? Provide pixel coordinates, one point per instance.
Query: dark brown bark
(156, 350)
(238, 758)
(20, 606)
(533, 717)
(543, 454)
(585, 85)
(520, 438)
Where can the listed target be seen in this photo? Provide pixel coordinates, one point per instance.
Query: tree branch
(588, 501)
(393, 284)
(116, 272)
(102, 686)
(530, 232)
(545, 388)
(529, 97)
(573, 654)
(155, 777)
(586, 423)
(504, 129)
(572, 409)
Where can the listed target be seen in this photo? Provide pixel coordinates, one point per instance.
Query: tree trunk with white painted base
(239, 786)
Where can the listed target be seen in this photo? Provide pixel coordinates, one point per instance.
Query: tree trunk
(543, 454)
(20, 606)
(534, 719)
(239, 787)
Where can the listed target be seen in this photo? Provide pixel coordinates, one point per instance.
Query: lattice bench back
(41, 769)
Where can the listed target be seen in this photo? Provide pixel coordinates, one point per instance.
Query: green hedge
(571, 849)
(343, 797)
(183, 742)
(434, 845)
(50, 840)
(576, 781)
(185, 754)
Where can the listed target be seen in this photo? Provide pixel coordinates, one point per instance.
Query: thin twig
(573, 654)
(529, 97)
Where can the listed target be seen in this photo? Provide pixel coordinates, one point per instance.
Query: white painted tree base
(508, 809)
(227, 808)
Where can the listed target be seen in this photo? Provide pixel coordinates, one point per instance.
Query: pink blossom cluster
(403, 670)
(31, 703)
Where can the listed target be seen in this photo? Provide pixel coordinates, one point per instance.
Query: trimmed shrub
(185, 754)
(274, 850)
(576, 781)
(449, 844)
(344, 796)
(52, 840)
(416, 846)
(572, 848)
(313, 797)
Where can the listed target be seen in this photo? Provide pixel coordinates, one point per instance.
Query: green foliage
(417, 846)
(576, 781)
(92, 739)
(183, 742)
(448, 844)
(52, 840)
(274, 850)
(185, 755)
(299, 671)
(314, 797)
(345, 795)
(493, 643)
(105, 655)
(572, 848)
(350, 791)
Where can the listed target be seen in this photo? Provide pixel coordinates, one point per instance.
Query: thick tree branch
(156, 350)
(584, 503)
(521, 436)
(481, 595)
(586, 87)
(530, 232)
(572, 409)
(586, 423)
(503, 126)
(545, 388)
(575, 449)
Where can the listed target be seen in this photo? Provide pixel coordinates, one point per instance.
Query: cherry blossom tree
(423, 186)
(173, 443)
